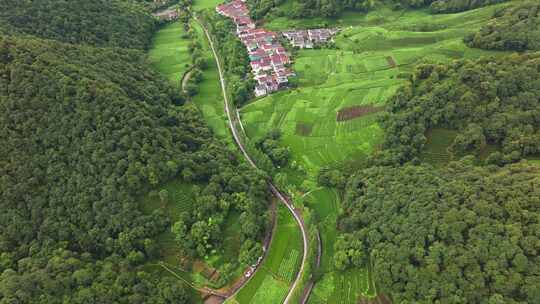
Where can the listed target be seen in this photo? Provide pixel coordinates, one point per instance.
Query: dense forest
(467, 232)
(85, 132)
(113, 23)
(516, 28)
(154, 5)
(488, 101)
(462, 234)
(333, 8)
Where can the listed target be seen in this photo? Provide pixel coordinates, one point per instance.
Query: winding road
(272, 187)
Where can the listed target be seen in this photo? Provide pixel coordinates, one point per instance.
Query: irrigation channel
(282, 198)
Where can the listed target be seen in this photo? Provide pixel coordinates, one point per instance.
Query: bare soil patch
(391, 62)
(355, 112)
(303, 129)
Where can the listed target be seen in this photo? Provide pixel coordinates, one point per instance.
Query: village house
(268, 58)
(307, 39)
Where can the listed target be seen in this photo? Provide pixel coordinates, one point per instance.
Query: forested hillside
(85, 132)
(152, 5)
(463, 234)
(515, 28)
(333, 8)
(466, 232)
(454, 6)
(113, 23)
(488, 101)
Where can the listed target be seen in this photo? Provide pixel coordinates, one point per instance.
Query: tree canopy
(334, 8)
(87, 127)
(113, 23)
(456, 6)
(462, 234)
(488, 100)
(516, 28)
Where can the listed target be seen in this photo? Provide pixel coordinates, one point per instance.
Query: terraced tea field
(373, 59)
(272, 281)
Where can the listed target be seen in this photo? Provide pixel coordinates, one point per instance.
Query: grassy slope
(358, 73)
(210, 99)
(169, 54)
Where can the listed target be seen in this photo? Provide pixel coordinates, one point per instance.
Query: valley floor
(329, 120)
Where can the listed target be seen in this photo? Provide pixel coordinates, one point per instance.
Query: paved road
(273, 188)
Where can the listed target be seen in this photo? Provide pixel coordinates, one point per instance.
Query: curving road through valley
(273, 188)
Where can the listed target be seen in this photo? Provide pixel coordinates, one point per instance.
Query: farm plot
(355, 112)
(342, 287)
(324, 202)
(179, 198)
(170, 57)
(317, 105)
(436, 149)
(270, 291)
(288, 266)
(366, 70)
(269, 284)
(169, 54)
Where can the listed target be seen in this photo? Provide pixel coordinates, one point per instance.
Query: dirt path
(185, 79)
(273, 188)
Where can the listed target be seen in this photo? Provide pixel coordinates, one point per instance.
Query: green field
(169, 54)
(325, 203)
(271, 282)
(206, 4)
(210, 99)
(334, 286)
(366, 69)
(436, 149)
(170, 57)
(375, 54)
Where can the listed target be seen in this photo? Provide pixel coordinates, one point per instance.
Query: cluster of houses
(309, 38)
(268, 59)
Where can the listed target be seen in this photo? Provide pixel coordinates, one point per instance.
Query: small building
(260, 90)
(167, 15)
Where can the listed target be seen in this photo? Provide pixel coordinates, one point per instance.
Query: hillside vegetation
(333, 8)
(100, 23)
(85, 132)
(488, 102)
(515, 28)
(463, 234)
